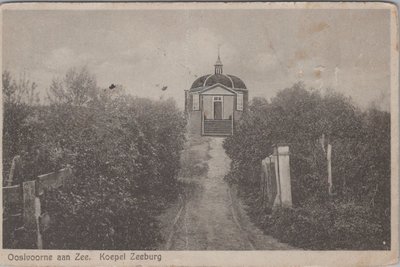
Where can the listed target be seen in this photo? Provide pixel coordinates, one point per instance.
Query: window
(239, 101)
(196, 102)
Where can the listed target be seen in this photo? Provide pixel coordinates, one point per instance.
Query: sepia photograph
(144, 131)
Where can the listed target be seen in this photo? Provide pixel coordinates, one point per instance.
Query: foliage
(306, 119)
(327, 227)
(19, 91)
(124, 152)
(19, 100)
(78, 87)
(127, 152)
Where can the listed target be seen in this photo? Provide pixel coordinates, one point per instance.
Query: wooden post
(271, 189)
(329, 159)
(14, 170)
(29, 214)
(38, 211)
(262, 182)
(201, 110)
(278, 199)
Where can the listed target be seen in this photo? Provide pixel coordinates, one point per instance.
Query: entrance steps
(217, 127)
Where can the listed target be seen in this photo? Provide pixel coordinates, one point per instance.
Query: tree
(78, 87)
(124, 151)
(300, 116)
(18, 92)
(8, 86)
(360, 142)
(20, 98)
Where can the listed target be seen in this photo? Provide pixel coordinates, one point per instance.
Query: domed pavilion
(215, 102)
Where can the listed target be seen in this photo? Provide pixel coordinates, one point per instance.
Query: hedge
(125, 153)
(360, 165)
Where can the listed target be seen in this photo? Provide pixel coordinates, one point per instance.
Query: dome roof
(229, 81)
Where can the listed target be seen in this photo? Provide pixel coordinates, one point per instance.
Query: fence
(275, 178)
(23, 219)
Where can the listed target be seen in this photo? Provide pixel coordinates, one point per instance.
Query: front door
(218, 110)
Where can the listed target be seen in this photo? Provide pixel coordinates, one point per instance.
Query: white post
(282, 167)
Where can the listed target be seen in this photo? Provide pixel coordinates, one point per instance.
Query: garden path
(211, 217)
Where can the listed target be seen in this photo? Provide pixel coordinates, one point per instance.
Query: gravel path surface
(211, 217)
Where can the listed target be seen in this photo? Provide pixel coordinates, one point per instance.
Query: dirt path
(211, 217)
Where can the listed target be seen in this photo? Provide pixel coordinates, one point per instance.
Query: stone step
(217, 130)
(218, 127)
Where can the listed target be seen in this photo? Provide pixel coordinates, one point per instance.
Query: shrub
(334, 226)
(360, 141)
(127, 152)
(124, 152)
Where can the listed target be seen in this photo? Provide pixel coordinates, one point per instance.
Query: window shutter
(196, 102)
(239, 101)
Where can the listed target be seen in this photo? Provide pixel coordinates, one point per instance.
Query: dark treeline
(356, 215)
(124, 152)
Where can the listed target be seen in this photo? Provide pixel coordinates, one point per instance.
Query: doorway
(217, 107)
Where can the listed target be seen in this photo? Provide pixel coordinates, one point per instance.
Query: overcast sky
(348, 50)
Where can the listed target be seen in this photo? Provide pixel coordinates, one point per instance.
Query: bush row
(360, 141)
(125, 155)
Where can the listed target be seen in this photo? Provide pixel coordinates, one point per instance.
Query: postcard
(200, 134)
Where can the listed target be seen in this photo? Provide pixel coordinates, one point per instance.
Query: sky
(145, 50)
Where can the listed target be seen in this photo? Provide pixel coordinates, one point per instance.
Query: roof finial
(218, 65)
